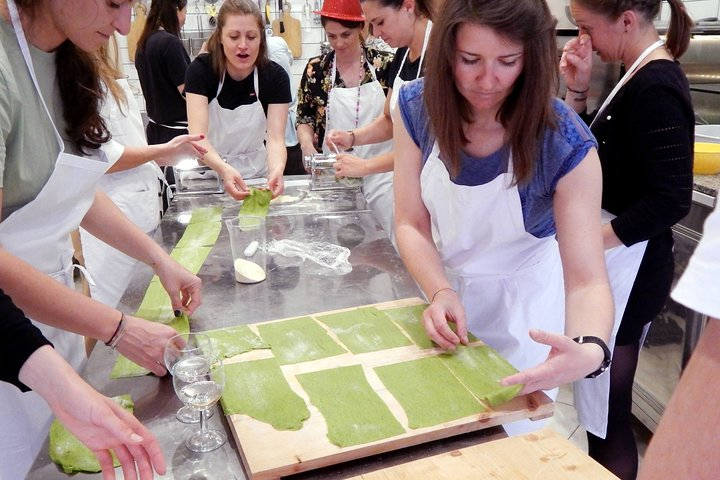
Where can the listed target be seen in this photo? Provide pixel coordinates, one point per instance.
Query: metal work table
(292, 288)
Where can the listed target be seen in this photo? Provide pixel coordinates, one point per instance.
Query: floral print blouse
(315, 85)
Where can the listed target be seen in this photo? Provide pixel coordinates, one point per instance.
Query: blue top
(562, 150)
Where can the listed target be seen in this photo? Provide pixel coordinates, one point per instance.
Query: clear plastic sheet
(333, 258)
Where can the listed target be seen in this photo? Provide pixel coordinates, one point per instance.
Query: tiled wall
(197, 25)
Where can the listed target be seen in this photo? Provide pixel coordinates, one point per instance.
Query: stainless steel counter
(292, 288)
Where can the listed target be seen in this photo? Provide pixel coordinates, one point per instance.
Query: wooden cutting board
(267, 453)
(292, 33)
(541, 455)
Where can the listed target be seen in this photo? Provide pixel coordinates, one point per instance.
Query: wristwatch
(605, 365)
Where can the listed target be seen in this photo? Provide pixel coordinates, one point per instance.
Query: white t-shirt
(699, 287)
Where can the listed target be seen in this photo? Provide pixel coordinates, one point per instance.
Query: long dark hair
(163, 14)
(527, 111)
(423, 8)
(80, 90)
(215, 48)
(678, 35)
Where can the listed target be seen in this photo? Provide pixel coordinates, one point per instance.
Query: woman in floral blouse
(349, 74)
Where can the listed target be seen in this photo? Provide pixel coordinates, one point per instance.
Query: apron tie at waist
(179, 126)
(65, 274)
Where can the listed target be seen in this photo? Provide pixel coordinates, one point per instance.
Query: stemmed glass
(179, 347)
(199, 381)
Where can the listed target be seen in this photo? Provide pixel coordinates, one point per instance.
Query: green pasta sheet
(124, 367)
(480, 369)
(299, 340)
(191, 258)
(258, 388)
(365, 330)
(200, 235)
(206, 215)
(70, 454)
(257, 203)
(410, 320)
(428, 392)
(231, 341)
(156, 304)
(353, 411)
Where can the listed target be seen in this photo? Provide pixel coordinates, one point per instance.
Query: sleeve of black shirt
(200, 79)
(19, 340)
(664, 147)
(274, 84)
(176, 59)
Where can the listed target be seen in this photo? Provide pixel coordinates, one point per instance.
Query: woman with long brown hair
(497, 196)
(50, 164)
(239, 98)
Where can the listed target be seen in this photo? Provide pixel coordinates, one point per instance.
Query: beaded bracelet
(119, 333)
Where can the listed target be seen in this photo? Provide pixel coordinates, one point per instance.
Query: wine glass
(199, 381)
(177, 348)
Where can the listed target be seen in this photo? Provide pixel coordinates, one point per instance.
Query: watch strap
(607, 360)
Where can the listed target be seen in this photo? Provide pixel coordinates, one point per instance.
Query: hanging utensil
(268, 26)
(281, 12)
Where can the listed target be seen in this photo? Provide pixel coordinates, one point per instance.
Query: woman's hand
(180, 148)
(576, 63)
(276, 184)
(182, 285)
(340, 138)
(567, 361)
(97, 421)
(144, 343)
(444, 308)
(350, 166)
(233, 183)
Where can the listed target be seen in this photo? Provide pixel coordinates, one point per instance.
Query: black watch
(605, 365)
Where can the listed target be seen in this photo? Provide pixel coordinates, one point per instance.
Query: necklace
(357, 99)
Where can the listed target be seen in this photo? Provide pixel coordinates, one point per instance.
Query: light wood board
(268, 453)
(541, 455)
(292, 33)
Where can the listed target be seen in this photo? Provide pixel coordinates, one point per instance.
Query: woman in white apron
(405, 25)
(480, 202)
(132, 183)
(240, 98)
(645, 132)
(34, 231)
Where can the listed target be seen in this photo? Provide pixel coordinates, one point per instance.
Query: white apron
(238, 135)
(135, 191)
(509, 280)
(591, 395)
(39, 233)
(367, 101)
(399, 82)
